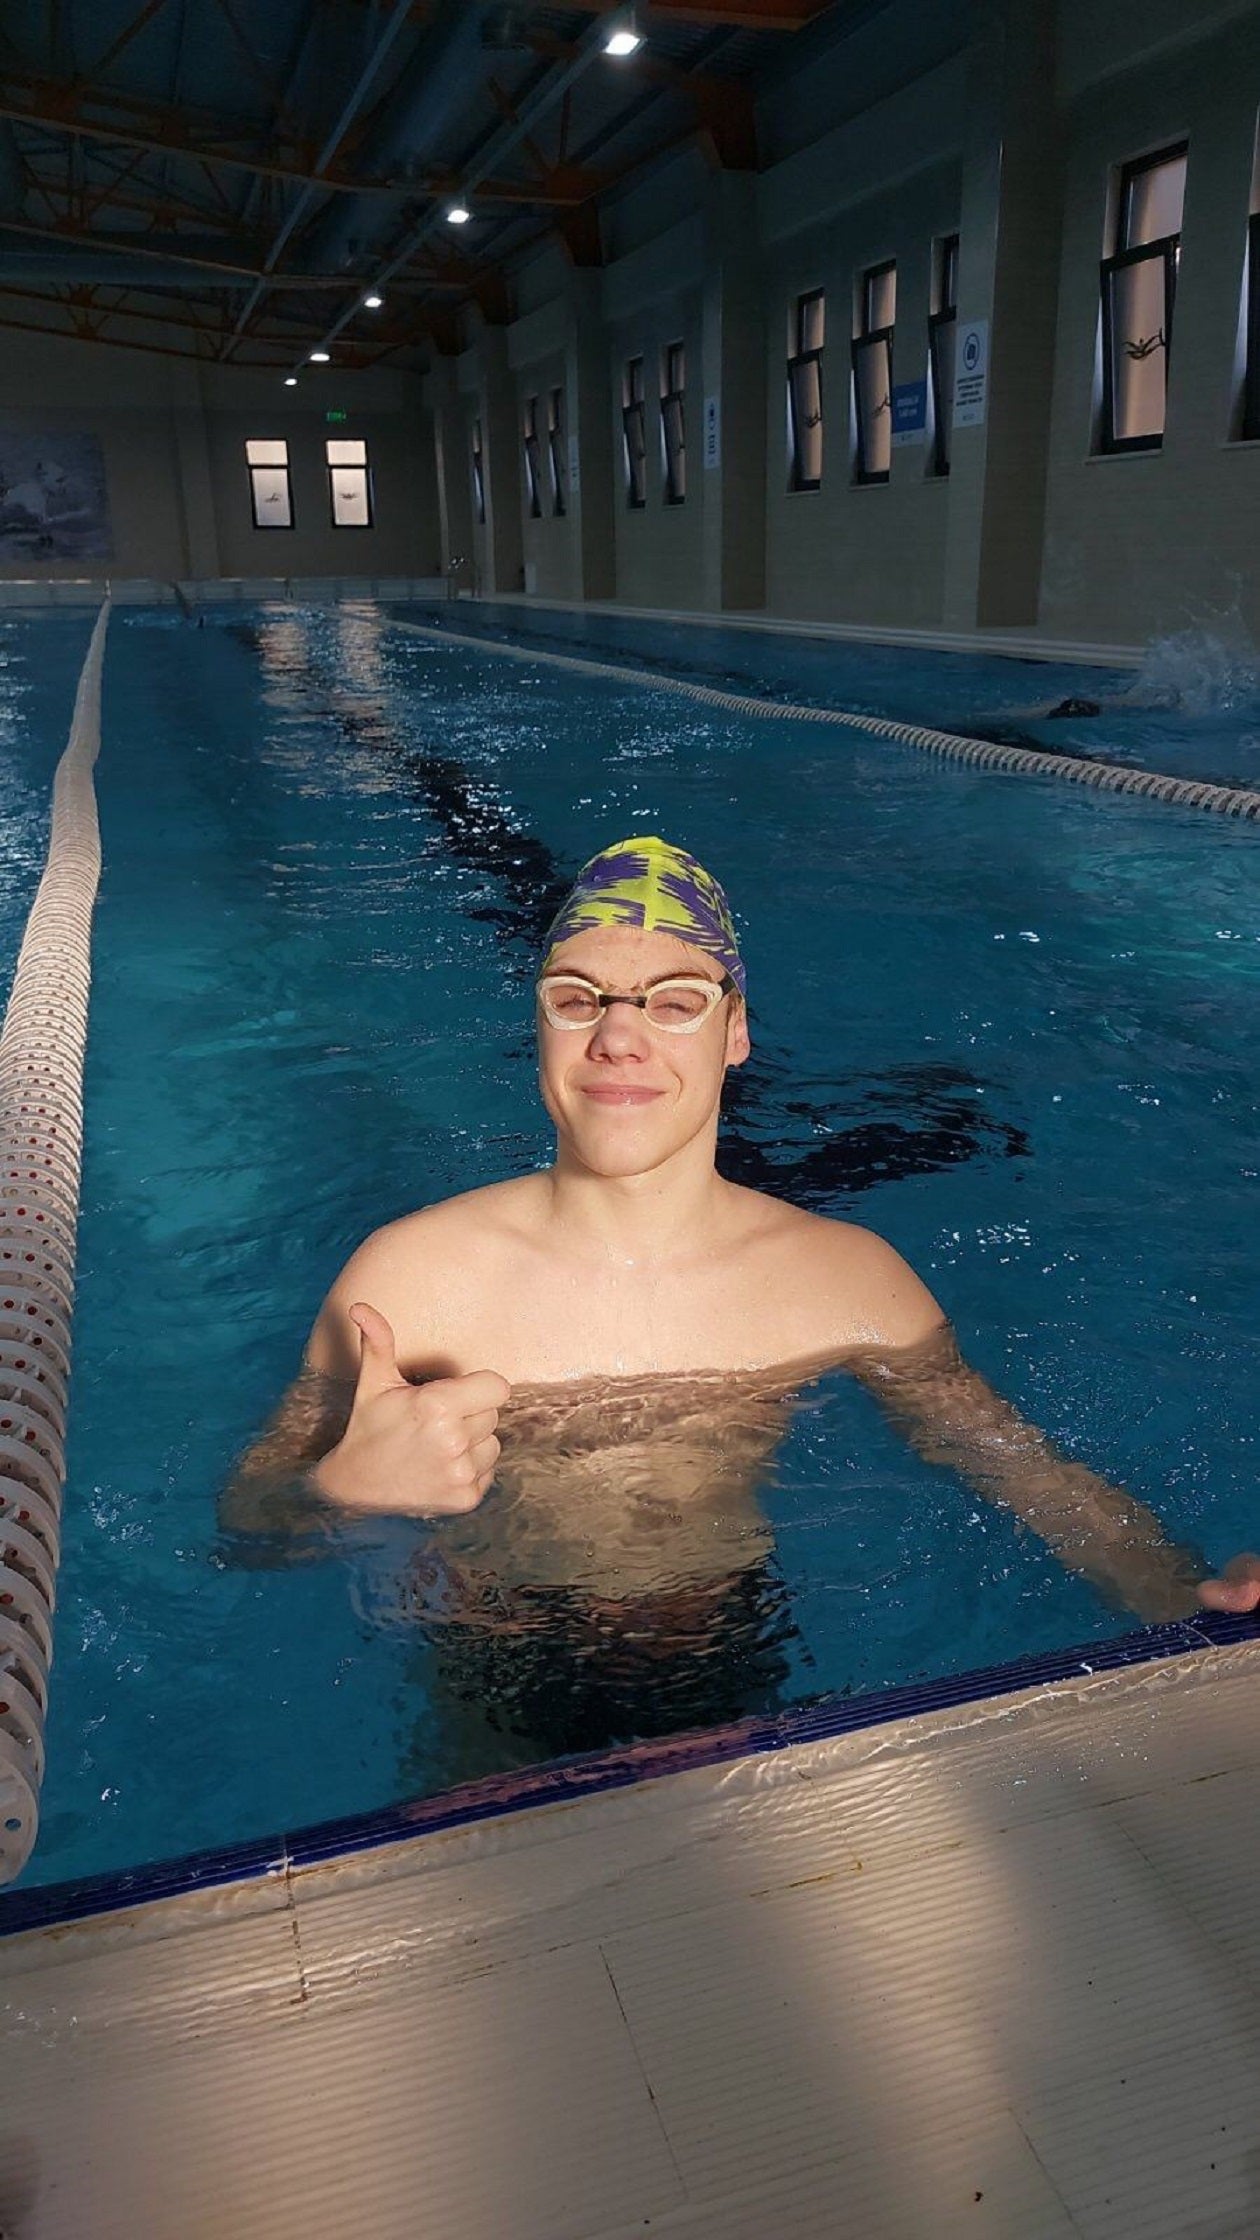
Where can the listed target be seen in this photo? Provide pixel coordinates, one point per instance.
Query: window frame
(478, 460)
(556, 460)
(533, 457)
(799, 357)
(673, 399)
(870, 338)
(634, 433)
(1168, 249)
(362, 466)
(943, 315)
(1250, 427)
(284, 467)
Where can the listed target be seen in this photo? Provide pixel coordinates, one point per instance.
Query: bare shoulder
(861, 1289)
(405, 1263)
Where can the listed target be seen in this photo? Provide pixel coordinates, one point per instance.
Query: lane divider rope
(41, 1143)
(1032, 762)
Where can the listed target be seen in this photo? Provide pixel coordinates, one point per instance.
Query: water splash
(1200, 671)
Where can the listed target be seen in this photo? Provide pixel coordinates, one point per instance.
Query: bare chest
(537, 1321)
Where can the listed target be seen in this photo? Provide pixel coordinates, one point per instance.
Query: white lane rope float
(1030, 762)
(41, 1142)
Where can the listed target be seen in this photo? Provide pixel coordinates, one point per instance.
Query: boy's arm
(952, 1416)
(270, 1491)
(271, 1494)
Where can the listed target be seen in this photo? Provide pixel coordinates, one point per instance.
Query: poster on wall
(909, 413)
(53, 503)
(972, 378)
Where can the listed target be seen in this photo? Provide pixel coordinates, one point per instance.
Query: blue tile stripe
(573, 1778)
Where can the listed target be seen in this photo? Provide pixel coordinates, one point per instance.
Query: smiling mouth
(623, 1096)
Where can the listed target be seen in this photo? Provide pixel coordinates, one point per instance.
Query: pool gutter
(572, 1780)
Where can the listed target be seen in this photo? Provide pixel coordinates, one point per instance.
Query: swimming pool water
(1191, 707)
(1015, 1029)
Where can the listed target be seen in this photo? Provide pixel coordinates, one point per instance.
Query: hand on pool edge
(1236, 1588)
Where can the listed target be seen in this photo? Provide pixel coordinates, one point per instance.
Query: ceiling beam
(57, 107)
(161, 206)
(73, 333)
(644, 63)
(735, 15)
(563, 186)
(124, 38)
(215, 269)
(551, 88)
(334, 145)
(82, 306)
(729, 122)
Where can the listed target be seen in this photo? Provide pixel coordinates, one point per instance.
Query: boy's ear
(738, 1045)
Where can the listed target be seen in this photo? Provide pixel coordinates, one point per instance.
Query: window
(349, 483)
(478, 473)
(875, 313)
(1138, 285)
(804, 391)
(533, 483)
(942, 335)
(555, 449)
(673, 423)
(270, 491)
(634, 433)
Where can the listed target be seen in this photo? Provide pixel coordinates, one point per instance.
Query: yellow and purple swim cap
(647, 883)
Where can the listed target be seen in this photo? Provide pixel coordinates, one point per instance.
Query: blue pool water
(1191, 707)
(1017, 1032)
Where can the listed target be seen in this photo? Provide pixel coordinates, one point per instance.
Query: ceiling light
(319, 357)
(290, 381)
(624, 38)
(373, 302)
(458, 214)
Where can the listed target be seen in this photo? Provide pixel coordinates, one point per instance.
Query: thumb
(378, 1359)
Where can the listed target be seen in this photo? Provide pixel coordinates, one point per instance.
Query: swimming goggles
(678, 1006)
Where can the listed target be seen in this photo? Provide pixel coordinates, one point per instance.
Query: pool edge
(55, 1904)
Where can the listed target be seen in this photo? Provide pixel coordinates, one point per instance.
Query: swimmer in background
(614, 1343)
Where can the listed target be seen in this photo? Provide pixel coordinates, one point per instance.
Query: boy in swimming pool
(632, 1260)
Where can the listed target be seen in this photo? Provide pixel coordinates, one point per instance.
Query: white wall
(173, 441)
(1145, 542)
(1006, 120)
(652, 297)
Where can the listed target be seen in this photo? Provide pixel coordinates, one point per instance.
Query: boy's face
(626, 1097)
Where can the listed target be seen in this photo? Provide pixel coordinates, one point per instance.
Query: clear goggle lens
(674, 1006)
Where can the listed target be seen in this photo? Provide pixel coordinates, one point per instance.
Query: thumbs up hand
(412, 1450)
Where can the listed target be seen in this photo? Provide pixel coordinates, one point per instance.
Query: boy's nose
(620, 1028)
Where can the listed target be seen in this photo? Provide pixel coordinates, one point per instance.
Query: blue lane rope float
(1030, 762)
(41, 1143)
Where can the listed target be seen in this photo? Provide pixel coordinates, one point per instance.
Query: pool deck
(994, 1970)
(1014, 642)
(1024, 643)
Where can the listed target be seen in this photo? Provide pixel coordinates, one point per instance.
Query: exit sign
(335, 414)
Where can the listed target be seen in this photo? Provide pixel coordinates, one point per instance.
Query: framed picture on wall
(53, 501)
